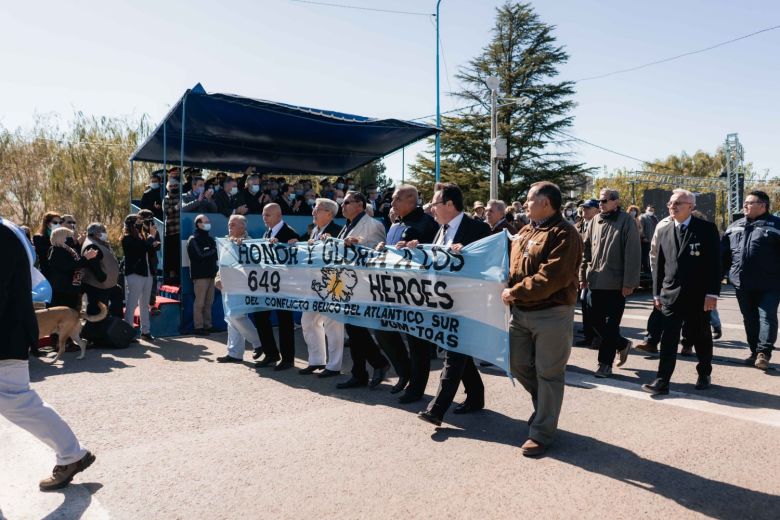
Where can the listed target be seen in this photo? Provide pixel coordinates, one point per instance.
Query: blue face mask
(310, 202)
(216, 188)
(254, 188)
(292, 196)
(198, 191)
(298, 193)
(274, 193)
(234, 190)
(155, 185)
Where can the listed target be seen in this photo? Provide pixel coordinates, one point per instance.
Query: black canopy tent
(229, 132)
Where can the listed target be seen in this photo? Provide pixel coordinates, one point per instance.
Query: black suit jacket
(419, 226)
(285, 234)
(332, 229)
(688, 268)
(470, 230)
(17, 317)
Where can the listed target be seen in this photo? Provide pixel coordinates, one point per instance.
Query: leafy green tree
(524, 55)
(373, 173)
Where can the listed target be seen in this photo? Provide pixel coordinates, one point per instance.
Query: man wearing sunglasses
(610, 271)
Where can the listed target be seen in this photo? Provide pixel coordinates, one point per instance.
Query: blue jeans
(759, 314)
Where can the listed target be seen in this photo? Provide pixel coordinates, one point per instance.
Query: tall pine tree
(524, 56)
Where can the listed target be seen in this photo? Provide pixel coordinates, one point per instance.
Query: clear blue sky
(134, 57)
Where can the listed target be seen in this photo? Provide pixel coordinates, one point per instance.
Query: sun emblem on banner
(336, 283)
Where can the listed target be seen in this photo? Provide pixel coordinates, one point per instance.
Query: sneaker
(62, 475)
(229, 359)
(623, 354)
(603, 371)
(717, 333)
(751, 359)
(762, 361)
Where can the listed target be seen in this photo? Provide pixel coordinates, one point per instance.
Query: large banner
(452, 300)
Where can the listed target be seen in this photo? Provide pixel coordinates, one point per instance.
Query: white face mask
(650, 212)
(254, 188)
(54, 226)
(104, 237)
(155, 185)
(234, 190)
(206, 227)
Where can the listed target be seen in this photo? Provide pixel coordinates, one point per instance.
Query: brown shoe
(762, 362)
(62, 475)
(532, 448)
(647, 347)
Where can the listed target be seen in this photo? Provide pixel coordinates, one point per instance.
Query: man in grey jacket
(610, 270)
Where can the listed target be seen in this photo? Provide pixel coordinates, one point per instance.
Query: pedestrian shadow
(92, 363)
(696, 493)
(76, 500)
(174, 349)
(737, 397)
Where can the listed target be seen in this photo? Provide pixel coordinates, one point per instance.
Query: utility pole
(492, 83)
(438, 105)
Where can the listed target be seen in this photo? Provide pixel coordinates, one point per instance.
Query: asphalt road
(179, 436)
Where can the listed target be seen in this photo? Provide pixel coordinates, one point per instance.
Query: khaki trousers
(204, 298)
(539, 345)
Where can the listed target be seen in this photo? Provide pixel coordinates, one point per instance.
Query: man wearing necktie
(364, 230)
(276, 230)
(457, 230)
(321, 332)
(686, 285)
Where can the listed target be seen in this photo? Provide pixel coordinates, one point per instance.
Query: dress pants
(759, 314)
(392, 344)
(240, 330)
(23, 406)
(138, 289)
(322, 333)
(362, 348)
(645, 257)
(608, 307)
(286, 334)
(204, 299)
(655, 326)
(457, 367)
(539, 348)
(698, 326)
(587, 315)
(420, 357)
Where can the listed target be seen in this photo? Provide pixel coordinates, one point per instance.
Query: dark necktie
(267, 234)
(440, 240)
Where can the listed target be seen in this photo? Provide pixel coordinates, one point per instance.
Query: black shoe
(284, 365)
(329, 373)
(468, 407)
(400, 385)
(267, 361)
(409, 398)
(703, 383)
(256, 353)
(657, 387)
(213, 330)
(379, 375)
(583, 342)
(716, 333)
(201, 332)
(310, 369)
(34, 352)
(351, 383)
(229, 359)
(148, 336)
(687, 352)
(429, 418)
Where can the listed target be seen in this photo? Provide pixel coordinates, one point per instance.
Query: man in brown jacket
(610, 270)
(542, 292)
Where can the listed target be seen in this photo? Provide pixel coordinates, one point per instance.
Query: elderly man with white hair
(240, 328)
(320, 332)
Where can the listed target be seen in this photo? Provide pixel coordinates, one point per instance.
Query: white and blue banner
(452, 300)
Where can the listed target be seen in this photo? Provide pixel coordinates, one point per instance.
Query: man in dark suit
(18, 402)
(495, 216)
(457, 229)
(413, 226)
(686, 285)
(276, 230)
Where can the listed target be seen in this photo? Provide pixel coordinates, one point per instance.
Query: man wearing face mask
(152, 197)
(101, 274)
(202, 252)
(227, 198)
(200, 199)
(248, 200)
(647, 223)
(172, 259)
(289, 201)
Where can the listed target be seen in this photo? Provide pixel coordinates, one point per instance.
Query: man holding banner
(457, 229)
(542, 292)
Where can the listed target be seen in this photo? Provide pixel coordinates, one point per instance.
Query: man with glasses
(364, 230)
(751, 253)
(610, 271)
(686, 285)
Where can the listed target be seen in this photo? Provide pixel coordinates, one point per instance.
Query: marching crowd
(559, 254)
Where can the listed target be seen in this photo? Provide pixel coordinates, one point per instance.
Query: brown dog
(65, 322)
